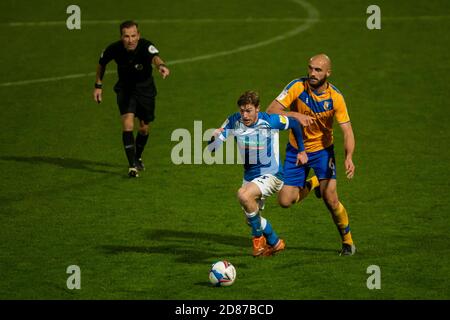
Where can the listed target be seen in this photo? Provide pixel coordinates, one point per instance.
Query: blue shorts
(322, 162)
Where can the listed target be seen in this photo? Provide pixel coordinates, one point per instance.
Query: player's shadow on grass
(205, 237)
(188, 247)
(66, 163)
(312, 249)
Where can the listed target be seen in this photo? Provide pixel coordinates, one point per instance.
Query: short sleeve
(278, 121)
(290, 93)
(152, 50)
(106, 56)
(341, 109)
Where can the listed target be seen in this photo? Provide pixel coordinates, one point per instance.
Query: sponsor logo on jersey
(282, 95)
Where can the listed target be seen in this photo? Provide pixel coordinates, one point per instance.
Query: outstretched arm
(216, 140)
(221, 134)
(349, 147)
(161, 66)
(302, 157)
(277, 108)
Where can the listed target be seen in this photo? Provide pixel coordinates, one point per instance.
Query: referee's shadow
(67, 163)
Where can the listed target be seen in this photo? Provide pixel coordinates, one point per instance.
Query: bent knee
(243, 195)
(285, 202)
(287, 197)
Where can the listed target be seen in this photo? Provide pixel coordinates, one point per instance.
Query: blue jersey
(258, 144)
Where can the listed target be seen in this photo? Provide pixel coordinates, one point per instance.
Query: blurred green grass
(65, 198)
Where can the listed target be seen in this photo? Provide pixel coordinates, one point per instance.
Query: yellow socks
(340, 218)
(311, 183)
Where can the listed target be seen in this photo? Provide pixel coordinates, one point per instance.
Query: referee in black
(135, 88)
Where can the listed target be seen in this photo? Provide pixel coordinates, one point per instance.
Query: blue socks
(269, 233)
(261, 226)
(254, 220)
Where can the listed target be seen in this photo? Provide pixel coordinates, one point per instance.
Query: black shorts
(138, 99)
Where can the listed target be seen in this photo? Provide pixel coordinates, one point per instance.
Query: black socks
(141, 141)
(128, 144)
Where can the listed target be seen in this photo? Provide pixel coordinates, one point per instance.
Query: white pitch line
(210, 20)
(313, 17)
(70, 76)
(383, 18)
(159, 21)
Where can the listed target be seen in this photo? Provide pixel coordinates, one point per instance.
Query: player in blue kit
(256, 134)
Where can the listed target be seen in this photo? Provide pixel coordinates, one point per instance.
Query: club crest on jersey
(326, 105)
(138, 66)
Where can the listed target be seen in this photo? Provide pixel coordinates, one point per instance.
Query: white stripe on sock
(250, 214)
(263, 223)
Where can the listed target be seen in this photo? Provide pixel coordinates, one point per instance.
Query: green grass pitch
(65, 198)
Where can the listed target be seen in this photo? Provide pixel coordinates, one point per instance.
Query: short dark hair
(127, 24)
(249, 97)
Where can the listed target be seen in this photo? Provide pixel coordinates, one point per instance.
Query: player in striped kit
(321, 103)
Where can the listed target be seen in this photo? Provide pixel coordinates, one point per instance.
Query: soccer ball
(222, 274)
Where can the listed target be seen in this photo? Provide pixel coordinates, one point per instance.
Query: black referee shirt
(132, 66)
